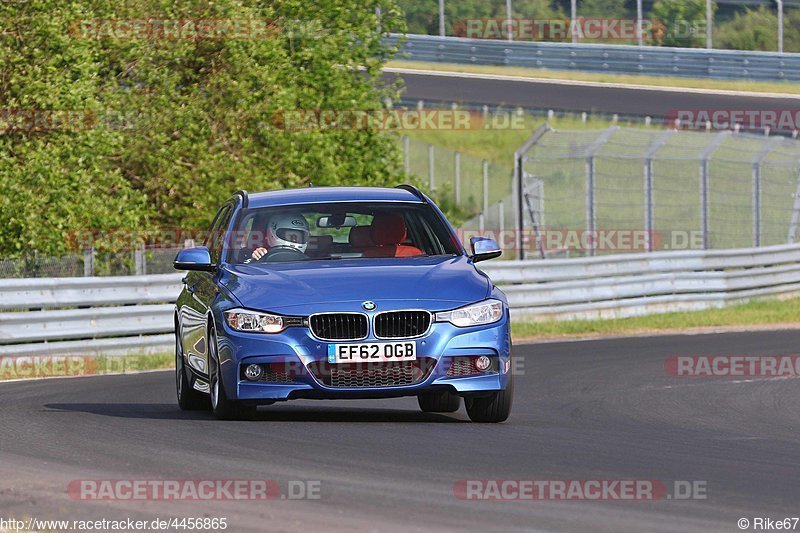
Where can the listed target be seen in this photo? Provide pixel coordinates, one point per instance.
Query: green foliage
(757, 29)
(680, 22)
(610, 9)
(178, 124)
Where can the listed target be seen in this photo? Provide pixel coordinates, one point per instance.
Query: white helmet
(288, 230)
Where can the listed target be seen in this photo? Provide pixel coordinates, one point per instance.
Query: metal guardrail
(618, 59)
(81, 316)
(637, 284)
(99, 318)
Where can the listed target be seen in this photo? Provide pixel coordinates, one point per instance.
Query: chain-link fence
(466, 183)
(90, 263)
(626, 189)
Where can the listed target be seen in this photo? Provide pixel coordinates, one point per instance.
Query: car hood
(433, 283)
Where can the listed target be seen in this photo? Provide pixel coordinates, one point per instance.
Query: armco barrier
(113, 315)
(96, 315)
(619, 59)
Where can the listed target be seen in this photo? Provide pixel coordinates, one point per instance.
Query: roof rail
(245, 198)
(413, 190)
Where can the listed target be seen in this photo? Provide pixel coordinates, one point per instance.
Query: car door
(200, 290)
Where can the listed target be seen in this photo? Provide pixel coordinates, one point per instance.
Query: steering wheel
(283, 253)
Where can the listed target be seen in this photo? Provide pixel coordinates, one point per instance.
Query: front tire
(494, 408)
(439, 401)
(189, 399)
(223, 407)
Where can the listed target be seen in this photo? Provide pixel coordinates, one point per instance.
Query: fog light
(483, 363)
(253, 372)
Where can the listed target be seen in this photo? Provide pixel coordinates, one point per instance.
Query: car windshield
(328, 231)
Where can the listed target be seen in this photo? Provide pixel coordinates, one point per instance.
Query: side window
(218, 232)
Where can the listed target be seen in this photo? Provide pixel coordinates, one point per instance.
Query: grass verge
(47, 366)
(599, 77)
(751, 314)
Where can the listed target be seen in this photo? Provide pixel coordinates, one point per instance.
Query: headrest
(360, 236)
(388, 229)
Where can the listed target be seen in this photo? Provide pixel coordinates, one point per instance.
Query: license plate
(373, 352)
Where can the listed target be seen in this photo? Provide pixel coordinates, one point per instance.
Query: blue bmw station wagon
(336, 293)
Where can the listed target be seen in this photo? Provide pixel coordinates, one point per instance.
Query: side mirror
(194, 259)
(483, 249)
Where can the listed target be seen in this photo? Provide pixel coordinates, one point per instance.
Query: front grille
(359, 375)
(338, 326)
(402, 324)
(465, 366)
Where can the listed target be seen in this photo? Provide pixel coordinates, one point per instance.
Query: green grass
(759, 312)
(58, 366)
(658, 81)
(499, 145)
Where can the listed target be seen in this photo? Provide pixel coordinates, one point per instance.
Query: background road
(601, 409)
(577, 98)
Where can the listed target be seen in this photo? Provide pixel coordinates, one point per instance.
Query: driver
(285, 230)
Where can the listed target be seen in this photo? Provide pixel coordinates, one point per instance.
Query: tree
(679, 22)
(757, 29)
(178, 124)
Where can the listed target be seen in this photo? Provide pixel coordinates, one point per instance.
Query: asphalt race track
(577, 98)
(601, 410)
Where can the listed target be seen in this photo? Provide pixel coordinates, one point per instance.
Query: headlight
(254, 322)
(484, 312)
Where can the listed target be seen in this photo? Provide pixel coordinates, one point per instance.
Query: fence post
(458, 179)
(406, 156)
(704, 157)
(509, 15)
(431, 181)
(795, 214)
(648, 185)
(485, 186)
(780, 25)
(139, 261)
(591, 215)
(757, 203)
(573, 20)
(501, 214)
(757, 161)
(518, 186)
(88, 262)
(442, 32)
(590, 198)
(704, 202)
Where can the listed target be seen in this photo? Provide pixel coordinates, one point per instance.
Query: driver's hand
(258, 253)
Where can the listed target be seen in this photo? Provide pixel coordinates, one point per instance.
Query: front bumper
(297, 351)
